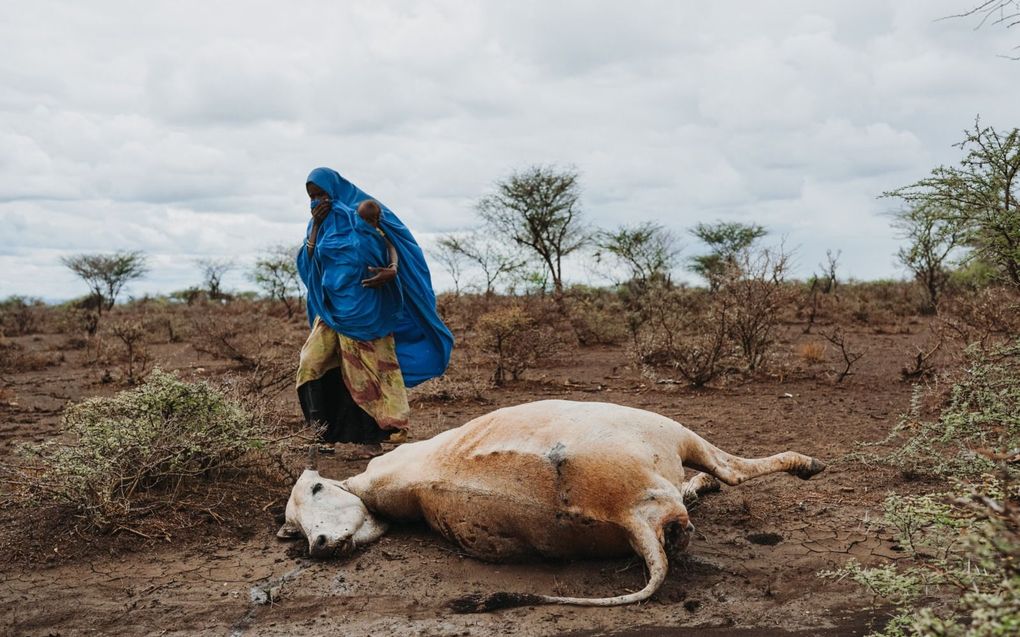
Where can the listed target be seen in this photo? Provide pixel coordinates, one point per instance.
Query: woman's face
(320, 202)
(314, 192)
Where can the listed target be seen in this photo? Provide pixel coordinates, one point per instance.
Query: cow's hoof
(709, 485)
(814, 468)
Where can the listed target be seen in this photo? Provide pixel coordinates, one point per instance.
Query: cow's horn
(313, 458)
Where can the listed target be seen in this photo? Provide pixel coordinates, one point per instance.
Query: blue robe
(405, 307)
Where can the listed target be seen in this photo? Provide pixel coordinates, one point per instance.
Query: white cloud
(185, 129)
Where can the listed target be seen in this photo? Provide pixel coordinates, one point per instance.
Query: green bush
(151, 443)
(961, 572)
(980, 423)
(967, 542)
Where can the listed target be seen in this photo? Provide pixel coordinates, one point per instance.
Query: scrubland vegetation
(155, 448)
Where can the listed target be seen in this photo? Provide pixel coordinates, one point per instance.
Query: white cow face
(334, 520)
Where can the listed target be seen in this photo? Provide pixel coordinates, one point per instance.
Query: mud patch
(765, 539)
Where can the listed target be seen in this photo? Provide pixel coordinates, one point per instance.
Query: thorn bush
(151, 443)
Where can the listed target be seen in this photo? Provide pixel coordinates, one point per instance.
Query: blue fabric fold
(405, 307)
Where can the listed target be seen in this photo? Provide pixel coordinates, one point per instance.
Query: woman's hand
(319, 212)
(381, 276)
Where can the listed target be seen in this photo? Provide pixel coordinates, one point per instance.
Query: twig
(838, 338)
(130, 530)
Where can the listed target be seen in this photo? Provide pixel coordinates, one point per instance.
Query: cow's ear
(288, 532)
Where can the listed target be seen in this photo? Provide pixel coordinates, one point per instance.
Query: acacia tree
(647, 250)
(495, 259)
(979, 199)
(213, 271)
(726, 240)
(106, 274)
(538, 209)
(276, 273)
(931, 241)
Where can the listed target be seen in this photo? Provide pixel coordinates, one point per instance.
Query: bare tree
(213, 271)
(824, 283)
(754, 287)
(647, 250)
(495, 259)
(276, 273)
(538, 209)
(451, 260)
(829, 278)
(106, 274)
(932, 239)
(1004, 13)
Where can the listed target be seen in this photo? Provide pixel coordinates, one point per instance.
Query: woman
(372, 310)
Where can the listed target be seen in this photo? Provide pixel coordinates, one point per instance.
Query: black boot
(319, 407)
(329, 407)
(357, 425)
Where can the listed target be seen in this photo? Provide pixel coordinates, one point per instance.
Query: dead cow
(553, 478)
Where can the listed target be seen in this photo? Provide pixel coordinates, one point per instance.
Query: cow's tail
(644, 541)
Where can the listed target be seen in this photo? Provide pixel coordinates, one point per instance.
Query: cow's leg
(698, 453)
(700, 484)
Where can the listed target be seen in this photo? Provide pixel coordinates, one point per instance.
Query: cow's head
(334, 520)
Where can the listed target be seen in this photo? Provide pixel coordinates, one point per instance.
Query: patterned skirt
(369, 370)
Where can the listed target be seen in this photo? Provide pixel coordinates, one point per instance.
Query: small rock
(264, 594)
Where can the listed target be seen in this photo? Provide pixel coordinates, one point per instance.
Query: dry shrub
(450, 388)
(14, 358)
(849, 356)
(694, 334)
(78, 318)
(876, 302)
(811, 353)
(142, 451)
(514, 341)
(682, 332)
(921, 366)
(135, 359)
(20, 315)
(167, 323)
(262, 346)
(8, 355)
(986, 316)
(466, 378)
(597, 316)
(865, 303)
(753, 293)
(461, 312)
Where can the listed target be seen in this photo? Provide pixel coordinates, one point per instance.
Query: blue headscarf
(405, 307)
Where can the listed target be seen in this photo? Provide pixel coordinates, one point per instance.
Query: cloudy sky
(186, 129)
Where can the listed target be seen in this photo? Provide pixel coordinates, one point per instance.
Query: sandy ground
(750, 570)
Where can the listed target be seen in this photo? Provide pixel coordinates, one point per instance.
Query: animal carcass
(553, 478)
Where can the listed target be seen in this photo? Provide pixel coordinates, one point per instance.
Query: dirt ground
(751, 567)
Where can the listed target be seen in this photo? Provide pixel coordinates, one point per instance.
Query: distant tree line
(962, 216)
